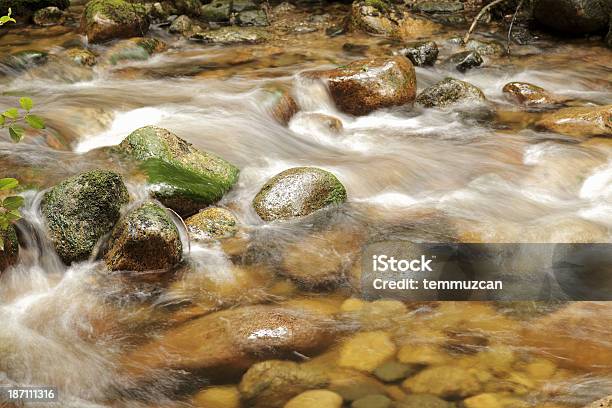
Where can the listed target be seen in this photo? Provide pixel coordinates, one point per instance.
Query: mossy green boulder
(297, 192)
(181, 176)
(104, 20)
(145, 240)
(80, 210)
(10, 253)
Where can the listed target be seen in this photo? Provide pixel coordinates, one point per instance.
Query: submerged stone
(465, 60)
(231, 36)
(366, 85)
(82, 56)
(579, 122)
(421, 53)
(366, 351)
(23, 60)
(182, 177)
(211, 223)
(145, 240)
(424, 401)
(298, 192)
(448, 382)
(10, 254)
(80, 210)
(450, 91)
(104, 20)
(135, 49)
(256, 18)
(315, 399)
(485, 47)
(281, 104)
(373, 401)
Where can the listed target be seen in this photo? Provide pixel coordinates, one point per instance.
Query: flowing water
(448, 174)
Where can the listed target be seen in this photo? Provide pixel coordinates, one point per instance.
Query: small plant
(9, 207)
(13, 118)
(7, 18)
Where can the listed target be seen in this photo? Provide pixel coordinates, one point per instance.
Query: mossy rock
(135, 49)
(232, 36)
(82, 56)
(211, 223)
(10, 254)
(26, 59)
(80, 210)
(104, 20)
(218, 11)
(20, 7)
(449, 92)
(49, 16)
(297, 192)
(182, 177)
(145, 240)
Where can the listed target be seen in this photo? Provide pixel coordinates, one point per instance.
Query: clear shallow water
(414, 173)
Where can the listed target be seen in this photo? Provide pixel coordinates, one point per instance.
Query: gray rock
(244, 5)
(439, 6)
(49, 16)
(298, 192)
(373, 401)
(485, 47)
(448, 92)
(145, 240)
(80, 210)
(256, 18)
(420, 53)
(181, 25)
(218, 11)
(462, 61)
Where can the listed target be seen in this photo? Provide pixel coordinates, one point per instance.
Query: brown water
(418, 174)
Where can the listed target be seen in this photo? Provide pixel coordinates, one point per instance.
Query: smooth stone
(146, 239)
(485, 47)
(528, 94)
(373, 401)
(423, 53)
(366, 351)
(82, 56)
(465, 60)
(181, 25)
(315, 399)
(444, 382)
(373, 17)
(211, 223)
(579, 122)
(423, 401)
(104, 20)
(217, 11)
(449, 92)
(298, 192)
(439, 6)
(602, 403)
(217, 397)
(281, 104)
(392, 371)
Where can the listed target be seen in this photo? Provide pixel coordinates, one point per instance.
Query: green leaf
(16, 133)
(2, 120)
(13, 202)
(26, 103)
(4, 223)
(8, 183)
(35, 121)
(13, 215)
(11, 113)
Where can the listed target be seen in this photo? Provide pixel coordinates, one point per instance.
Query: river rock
(573, 17)
(231, 36)
(421, 53)
(298, 192)
(217, 397)
(374, 17)
(82, 56)
(211, 223)
(576, 336)
(449, 92)
(218, 11)
(316, 399)
(181, 25)
(424, 401)
(602, 403)
(24, 60)
(135, 49)
(462, 61)
(366, 85)
(256, 18)
(528, 94)
(444, 381)
(226, 343)
(182, 177)
(392, 371)
(19, 7)
(145, 240)
(80, 210)
(280, 104)
(366, 351)
(10, 254)
(579, 122)
(271, 384)
(189, 7)
(104, 20)
(373, 401)
(49, 16)
(485, 47)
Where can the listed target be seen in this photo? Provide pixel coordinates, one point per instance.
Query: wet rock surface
(298, 192)
(104, 20)
(231, 35)
(528, 94)
(80, 210)
(465, 60)
(48, 16)
(10, 253)
(449, 92)
(573, 17)
(422, 53)
(366, 85)
(579, 122)
(211, 223)
(145, 240)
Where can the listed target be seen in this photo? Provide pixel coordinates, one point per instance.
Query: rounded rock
(316, 399)
(211, 223)
(367, 350)
(528, 94)
(450, 91)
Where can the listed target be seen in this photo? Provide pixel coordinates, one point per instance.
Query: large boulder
(366, 85)
(104, 20)
(579, 122)
(19, 7)
(10, 253)
(226, 343)
(449, 92)
(182, 177)
(573, 17)
(297, 192)
(271, 384)
(80, 210)
(145, 240)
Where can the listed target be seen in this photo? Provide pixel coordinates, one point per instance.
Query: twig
(478, 17)
(512, 24)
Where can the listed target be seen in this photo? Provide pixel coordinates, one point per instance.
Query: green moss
(81, 209)
(117, 10)
(10, 254)
(379, 5)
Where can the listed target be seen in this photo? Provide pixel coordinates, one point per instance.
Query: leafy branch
(7, 18)
(9, 206)
(14, 117)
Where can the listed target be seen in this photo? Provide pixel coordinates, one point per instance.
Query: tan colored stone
(217, 397)
(366, 351)
(579, 122)
(444, 381)
(316, 399)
